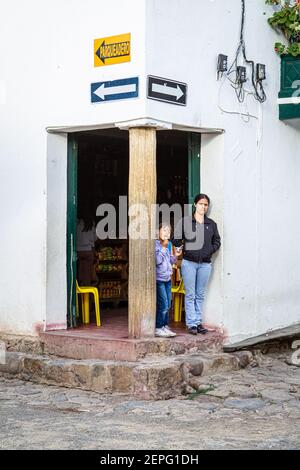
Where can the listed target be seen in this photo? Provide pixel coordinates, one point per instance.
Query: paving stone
(244, 403)
(129, 406)
(272, 409)
(195, 366)
(208, 406)
(28, 391)
(245, 358)
(219, 393)
(275, 395)
(60, 397)
(292, 404)
(243, 392)
(293, 380)
(84, 401)
(228, 412)
(38, 416)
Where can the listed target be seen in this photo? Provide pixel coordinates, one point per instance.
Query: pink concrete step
(112, 344)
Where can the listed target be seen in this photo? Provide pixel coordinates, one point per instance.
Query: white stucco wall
(46, 51)
(212, 164)
(46, 55)
(254, 188)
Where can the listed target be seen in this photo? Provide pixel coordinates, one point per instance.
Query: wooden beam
(142, 192)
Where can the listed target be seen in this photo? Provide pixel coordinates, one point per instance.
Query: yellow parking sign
(112, 50)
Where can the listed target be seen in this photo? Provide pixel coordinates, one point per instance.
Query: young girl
(164, 262)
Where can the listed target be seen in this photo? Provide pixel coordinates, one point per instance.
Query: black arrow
(102, 57)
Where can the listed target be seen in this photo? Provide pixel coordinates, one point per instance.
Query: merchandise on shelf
(111, 253)
(109, 268)
(112, 270)
(110, 289)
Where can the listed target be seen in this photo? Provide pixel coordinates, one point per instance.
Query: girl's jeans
(195, 278)
(163, 302)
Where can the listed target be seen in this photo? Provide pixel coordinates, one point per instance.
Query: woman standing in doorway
(200, 239)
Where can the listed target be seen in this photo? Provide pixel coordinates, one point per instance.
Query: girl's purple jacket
(164, 261)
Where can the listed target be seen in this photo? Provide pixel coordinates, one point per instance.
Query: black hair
(201, 196)
(88, 221)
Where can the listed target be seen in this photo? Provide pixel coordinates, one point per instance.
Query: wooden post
(142, 191)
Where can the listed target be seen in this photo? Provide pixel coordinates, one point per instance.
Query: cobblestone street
(254, 408)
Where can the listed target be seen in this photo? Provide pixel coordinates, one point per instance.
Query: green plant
(287, 21)
(202, 391)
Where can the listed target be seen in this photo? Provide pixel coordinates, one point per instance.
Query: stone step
(77, 345)
(96, 344)
(153, 378)
(213, 364)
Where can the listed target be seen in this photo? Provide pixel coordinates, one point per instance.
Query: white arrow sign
(102, 92)
(167, 90)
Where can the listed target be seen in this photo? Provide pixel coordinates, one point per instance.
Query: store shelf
(113, 275)
(113, 261)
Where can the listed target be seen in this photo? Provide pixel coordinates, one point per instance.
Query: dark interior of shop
(103, 170)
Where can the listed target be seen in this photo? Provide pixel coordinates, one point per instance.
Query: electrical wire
(238, 113)
(246, 116)
(259, 93)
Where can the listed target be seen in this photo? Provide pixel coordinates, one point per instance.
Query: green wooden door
(194, 147)
(290, 87)
(71, 228)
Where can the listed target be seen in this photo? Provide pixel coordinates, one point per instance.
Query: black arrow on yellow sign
(112, 50)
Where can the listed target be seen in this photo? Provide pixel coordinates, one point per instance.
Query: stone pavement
(253, 408)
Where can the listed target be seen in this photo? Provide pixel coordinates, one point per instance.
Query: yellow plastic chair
(178, 293)
(85, 302)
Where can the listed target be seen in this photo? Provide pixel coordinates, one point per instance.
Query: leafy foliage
(287, 21)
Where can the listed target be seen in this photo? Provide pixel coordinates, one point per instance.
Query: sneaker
(193, 330)
(171, 333)
(160, 332)
(201, 329)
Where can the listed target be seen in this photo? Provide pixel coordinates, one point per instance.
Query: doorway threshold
(110, 341)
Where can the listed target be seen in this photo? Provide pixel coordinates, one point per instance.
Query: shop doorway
(98, 171)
